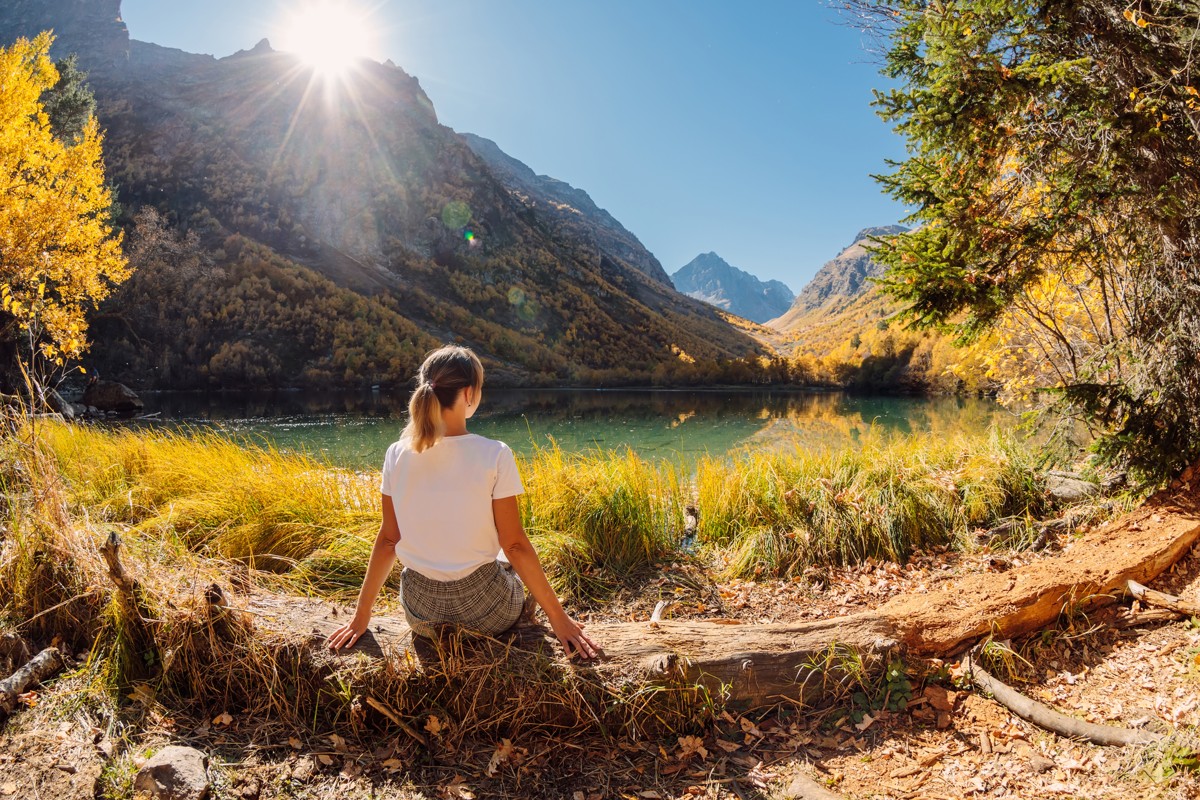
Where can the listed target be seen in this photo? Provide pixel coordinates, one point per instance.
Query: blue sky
(738, 126)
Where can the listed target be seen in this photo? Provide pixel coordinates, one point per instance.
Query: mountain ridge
(713, 280)
(267, 179)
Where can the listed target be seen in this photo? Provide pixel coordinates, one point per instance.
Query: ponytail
(445, 373)
(424, 418)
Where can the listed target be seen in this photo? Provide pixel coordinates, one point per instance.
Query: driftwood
(803, 787)
(1163, 600)
(38, 669)
(1045, 717)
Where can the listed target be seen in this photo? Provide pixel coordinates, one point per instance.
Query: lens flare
(456, 214)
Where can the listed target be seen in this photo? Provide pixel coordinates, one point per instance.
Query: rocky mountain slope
(710, 278)
(842, 279)
(335, 230)
(571, 211)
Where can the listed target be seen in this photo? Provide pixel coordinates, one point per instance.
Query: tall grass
(600, 517)
(223, 499)
(777, 512)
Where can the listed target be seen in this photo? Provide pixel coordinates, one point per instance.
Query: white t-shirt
(443, 500)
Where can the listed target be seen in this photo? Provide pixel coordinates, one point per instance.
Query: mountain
(842, 331)
(843, 278)
(710, 278)
(571, 211)
(314, 233)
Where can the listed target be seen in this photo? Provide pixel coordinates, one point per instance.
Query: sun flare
(327, 35)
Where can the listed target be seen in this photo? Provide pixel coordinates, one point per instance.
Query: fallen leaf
(393, 764)
(650, 794)
(295, 743)
(222, 719)
(325, 759)
(8, 788)
(692, 745)
(727, 746)
(338, 742)
(502, 753)
(867, 721)
(434, 725)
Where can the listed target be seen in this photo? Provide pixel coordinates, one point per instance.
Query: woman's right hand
(573, 640)
(349, 633)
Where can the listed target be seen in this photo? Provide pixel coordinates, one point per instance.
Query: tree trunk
(763, 664)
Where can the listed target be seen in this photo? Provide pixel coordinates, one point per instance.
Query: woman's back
(443, 502)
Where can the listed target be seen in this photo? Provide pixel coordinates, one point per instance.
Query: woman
(450, 515)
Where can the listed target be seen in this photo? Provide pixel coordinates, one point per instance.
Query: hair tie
(433, 385)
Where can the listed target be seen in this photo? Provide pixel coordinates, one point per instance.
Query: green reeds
(601, 517)
(777, 512)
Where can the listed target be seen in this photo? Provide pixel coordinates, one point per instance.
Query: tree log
(764, 664)
(1163, 600)
(38, 669)
(1088, 573)
(1045, 717)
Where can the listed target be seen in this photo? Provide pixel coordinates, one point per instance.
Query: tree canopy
(1052, 169)
(59, 254)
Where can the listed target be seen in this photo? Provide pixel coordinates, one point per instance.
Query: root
(38, 669)
(1163, 600)
(1045, 717)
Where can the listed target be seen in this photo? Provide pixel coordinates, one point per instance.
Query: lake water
(354, 429)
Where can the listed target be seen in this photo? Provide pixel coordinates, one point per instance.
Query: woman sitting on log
(450, 515)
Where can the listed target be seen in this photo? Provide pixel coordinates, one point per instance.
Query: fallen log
(36, 670)
(1046, 717)
(1089, 573)
(1170, 602)
(752, 665)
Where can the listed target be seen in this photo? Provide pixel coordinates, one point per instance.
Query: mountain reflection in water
(354, 429)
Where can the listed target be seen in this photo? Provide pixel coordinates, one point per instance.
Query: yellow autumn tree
(59, 254)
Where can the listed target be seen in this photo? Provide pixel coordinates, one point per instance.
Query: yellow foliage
(58, 252)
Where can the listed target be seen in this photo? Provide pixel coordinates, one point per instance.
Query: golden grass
(777, 512)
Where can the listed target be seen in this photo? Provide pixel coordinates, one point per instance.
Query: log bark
(38, 669)
(1089, 573)
(1170, 602)
(1045, 717)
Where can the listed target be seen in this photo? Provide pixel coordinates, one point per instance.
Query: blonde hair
(446, 372)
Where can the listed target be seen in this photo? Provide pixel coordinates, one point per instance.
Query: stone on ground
(173, 773)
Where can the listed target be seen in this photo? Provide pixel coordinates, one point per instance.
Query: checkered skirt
(488, 601)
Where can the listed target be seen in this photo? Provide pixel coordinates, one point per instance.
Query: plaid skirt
(488, 601)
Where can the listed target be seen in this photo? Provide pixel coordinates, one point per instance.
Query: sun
(329, 36)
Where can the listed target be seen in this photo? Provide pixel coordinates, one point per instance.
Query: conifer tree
(1053, 160)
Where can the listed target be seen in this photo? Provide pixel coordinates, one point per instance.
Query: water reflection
(354, 429)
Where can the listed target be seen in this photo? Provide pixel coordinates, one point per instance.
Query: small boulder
(59, 406)
(173, 773)
(1068, 488)
(110, 396)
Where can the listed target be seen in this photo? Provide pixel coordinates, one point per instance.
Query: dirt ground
(946, 742)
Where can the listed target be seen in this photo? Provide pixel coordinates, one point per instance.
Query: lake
(353, 430)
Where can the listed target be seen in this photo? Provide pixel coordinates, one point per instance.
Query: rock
(174, 773)
(59, 406)
(1066, 487)
(80, 409)
(111, 396)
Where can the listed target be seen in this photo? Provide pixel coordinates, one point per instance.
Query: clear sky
(738, 126)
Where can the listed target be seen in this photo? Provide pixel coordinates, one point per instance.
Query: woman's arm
(383, 556)
(525, 561)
